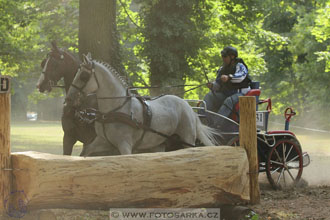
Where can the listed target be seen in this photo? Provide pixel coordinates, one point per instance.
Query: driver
(232, 81)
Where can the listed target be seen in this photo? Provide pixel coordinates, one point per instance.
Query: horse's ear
(87, 60)
(54, 46)
(89, 55)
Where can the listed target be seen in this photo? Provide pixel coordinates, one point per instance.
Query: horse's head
(53, 67)
(84, 83)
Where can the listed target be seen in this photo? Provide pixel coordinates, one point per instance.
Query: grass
(42, 136)
(46, 136)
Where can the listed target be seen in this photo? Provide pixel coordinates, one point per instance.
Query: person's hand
(210, 85)
(224, 78)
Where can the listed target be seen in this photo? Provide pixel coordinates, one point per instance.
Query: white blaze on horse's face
(40, 80)
(42, 75)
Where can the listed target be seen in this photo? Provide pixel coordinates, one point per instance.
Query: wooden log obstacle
(194, 177)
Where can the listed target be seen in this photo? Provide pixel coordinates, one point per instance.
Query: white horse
(120, 111)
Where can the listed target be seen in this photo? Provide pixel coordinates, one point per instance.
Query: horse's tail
(206, 134)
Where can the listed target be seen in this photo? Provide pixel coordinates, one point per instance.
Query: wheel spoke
(291, 175)
(288, 153)
(278, 156)
(279, 177)
(278, 163)
(284, 150)
(275, 170)
(293, 158)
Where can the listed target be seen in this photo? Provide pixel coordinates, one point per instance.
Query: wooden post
(248, 140)
(5, 164)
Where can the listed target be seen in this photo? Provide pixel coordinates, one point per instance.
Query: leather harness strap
(120, 117)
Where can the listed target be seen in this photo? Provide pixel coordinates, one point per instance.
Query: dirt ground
(301, 203)
(309, 201)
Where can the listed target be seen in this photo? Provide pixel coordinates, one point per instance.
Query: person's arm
(239, 75)
(216, 84)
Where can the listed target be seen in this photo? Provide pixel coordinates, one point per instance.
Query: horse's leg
(69, 129)
(99, 147)
(125, 148)
(68, 142)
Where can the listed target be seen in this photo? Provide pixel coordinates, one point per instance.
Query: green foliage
(177, 41)
(173, 32)
(26, 28)
(321, 31)
(284, 43)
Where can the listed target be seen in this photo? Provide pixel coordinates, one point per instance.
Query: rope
(175, 86)
(158, 87)
(190, 89)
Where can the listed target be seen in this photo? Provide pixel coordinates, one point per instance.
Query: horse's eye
(84, 76)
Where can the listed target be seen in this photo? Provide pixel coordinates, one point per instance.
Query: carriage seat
(252, 92)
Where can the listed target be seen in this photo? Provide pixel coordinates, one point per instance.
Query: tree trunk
(164, 46)
(193, 177)
(98, 31)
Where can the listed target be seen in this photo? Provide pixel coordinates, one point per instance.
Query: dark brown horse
(57, 65)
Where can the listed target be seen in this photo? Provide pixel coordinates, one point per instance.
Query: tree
(173, 33)
(98, 32)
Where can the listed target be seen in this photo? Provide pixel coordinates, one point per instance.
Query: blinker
(84, 76)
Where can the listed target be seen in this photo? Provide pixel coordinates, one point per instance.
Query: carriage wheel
(284, 164)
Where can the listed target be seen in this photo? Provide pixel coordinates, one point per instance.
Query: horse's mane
(121, 78)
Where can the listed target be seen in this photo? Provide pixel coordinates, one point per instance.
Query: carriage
(279, 152)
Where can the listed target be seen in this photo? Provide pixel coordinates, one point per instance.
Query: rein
(114, 116)
(159, 87)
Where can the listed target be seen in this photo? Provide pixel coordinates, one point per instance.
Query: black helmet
(229, 51)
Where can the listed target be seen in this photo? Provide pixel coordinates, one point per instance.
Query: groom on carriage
(232, 81)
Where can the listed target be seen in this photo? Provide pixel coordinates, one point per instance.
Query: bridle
(45, 63)
(86, 73)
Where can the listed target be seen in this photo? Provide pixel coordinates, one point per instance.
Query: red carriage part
(269, 105)
(252, 92)
(281, 132)
(289, 113)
